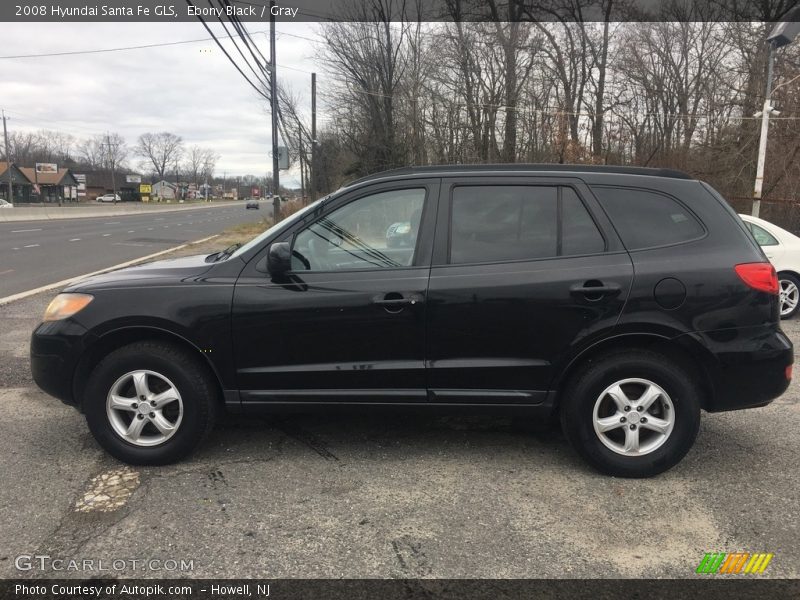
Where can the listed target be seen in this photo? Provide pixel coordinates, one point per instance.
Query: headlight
(66, 305)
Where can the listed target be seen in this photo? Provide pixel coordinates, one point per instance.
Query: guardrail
(80, 211)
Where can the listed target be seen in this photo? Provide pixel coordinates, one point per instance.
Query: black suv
(622, 300)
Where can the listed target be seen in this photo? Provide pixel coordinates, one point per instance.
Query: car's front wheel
(150, 403)
(789, 295)
(631, 414)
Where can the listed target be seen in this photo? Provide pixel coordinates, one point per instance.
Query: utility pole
(313, 137)
(177, 181)
(8, 162)
(111, 164)
(273, 95)
(782, 34)
(762, 145)
(302, 172)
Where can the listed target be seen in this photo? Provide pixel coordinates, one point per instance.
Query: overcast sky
(191, 90)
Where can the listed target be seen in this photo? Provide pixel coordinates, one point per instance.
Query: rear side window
(496, 223)
(579, 234)
(646, 219)
(492, 223)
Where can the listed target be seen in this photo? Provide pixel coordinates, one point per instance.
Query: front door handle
(594, 290)
(395, 301)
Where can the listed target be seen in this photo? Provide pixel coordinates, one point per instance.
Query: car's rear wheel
(150, 403)
(789, 295)
(631, 414)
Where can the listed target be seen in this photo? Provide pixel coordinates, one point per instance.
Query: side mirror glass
(279, 259)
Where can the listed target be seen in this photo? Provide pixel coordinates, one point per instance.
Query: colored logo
(736, 562)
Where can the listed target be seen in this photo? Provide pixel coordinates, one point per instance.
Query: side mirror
(279, 259)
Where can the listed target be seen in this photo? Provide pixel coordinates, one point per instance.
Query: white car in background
(109, 198)
(4, 204)
(783, 250)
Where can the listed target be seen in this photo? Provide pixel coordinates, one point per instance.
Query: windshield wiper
(222, 255)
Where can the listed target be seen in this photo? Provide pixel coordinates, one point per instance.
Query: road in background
(38, 253)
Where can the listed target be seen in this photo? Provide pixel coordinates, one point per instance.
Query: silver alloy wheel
(144, 408)
(790, 295)
(633, 417)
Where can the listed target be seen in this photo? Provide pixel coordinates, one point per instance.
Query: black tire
(587, 385)
(190, 377)
(793, 279)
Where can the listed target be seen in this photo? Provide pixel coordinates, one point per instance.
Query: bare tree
(161, 150)
(199, 163)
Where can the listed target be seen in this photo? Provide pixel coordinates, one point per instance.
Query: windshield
(256, 241)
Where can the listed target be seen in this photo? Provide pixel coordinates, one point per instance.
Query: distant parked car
(252, 204)
(783, 250)
(4, 204)
(109, 198)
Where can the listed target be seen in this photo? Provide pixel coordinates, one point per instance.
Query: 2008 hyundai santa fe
(623, 300)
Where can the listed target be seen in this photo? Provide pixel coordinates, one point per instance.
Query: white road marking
(75, 240)
(158, 219)
(64, 282)
(112, 223)
(23, 230)
(132, 231)
(31, 246)
(106, 234)
(6, 271)
(149, 229)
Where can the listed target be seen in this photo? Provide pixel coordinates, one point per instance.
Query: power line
(120, 49)
(241, 53)
(221, 47)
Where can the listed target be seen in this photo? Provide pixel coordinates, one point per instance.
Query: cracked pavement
(380, 495)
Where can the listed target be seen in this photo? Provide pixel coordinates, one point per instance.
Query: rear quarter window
(646, 219)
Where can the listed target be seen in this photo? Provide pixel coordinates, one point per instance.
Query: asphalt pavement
(38, 253)
(376, 495)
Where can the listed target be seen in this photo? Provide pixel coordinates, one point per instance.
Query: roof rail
(522, 167)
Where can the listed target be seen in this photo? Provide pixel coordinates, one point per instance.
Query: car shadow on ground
(336, 435)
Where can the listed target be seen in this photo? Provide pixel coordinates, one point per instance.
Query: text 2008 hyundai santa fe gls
(624, 300)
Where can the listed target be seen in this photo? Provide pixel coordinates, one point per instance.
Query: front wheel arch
(125, 336)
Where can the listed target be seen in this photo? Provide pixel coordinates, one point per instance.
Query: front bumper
(750, 366)
(56, 348)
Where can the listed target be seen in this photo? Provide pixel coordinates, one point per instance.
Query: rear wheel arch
(119, 338)
(684, 351)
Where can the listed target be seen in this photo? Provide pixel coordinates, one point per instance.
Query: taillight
(788, 372)
(759, 276)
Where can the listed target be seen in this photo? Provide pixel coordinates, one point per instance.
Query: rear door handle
(594, 290)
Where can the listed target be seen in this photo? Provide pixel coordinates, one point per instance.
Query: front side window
(378, 231)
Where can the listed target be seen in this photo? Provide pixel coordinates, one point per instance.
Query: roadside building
(20, 184)
(52, 187)
(100, 182)
(163, 190)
